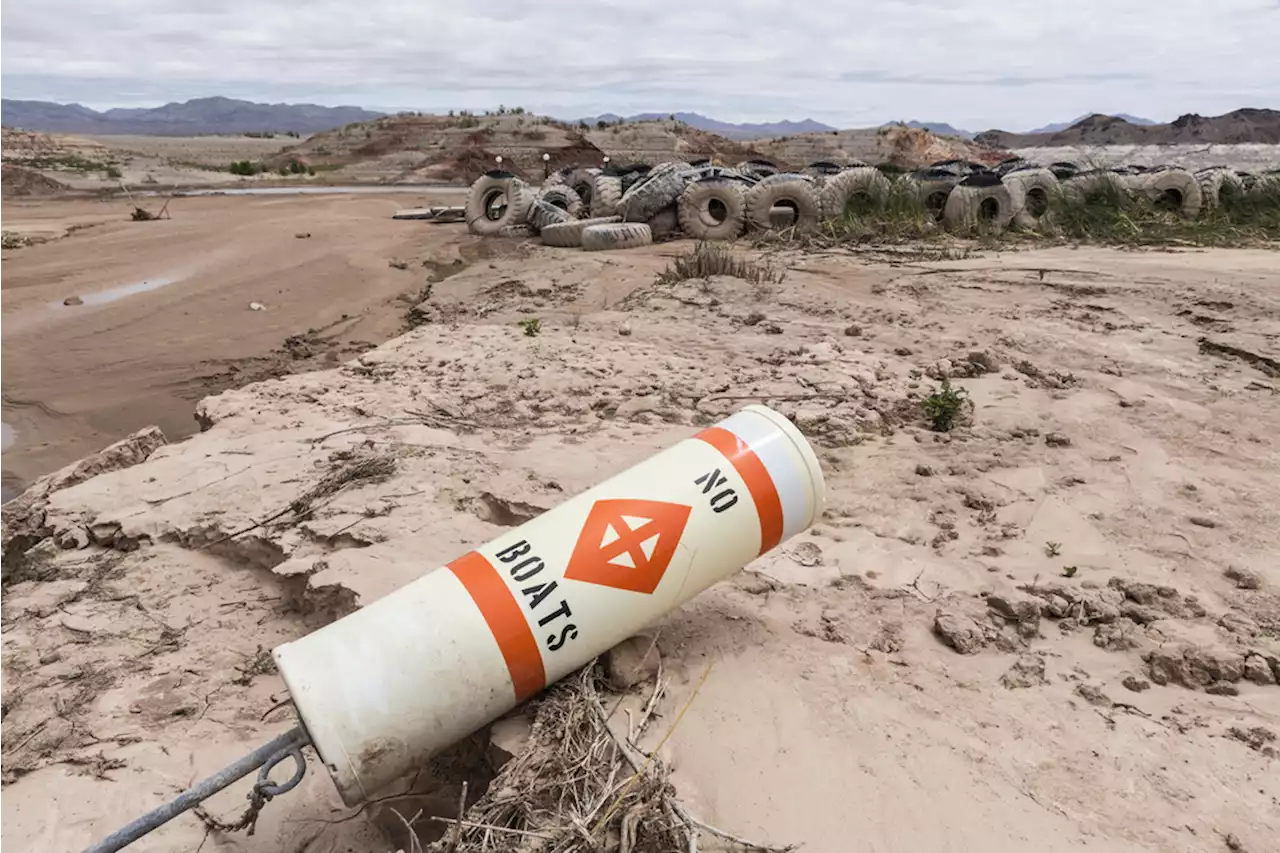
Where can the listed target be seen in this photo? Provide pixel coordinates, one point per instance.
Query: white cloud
(974, 63)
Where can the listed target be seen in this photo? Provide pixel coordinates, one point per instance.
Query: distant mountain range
(940, 128)
(729, 130)
(1236, 127)
(198, 116)
(1063, 125)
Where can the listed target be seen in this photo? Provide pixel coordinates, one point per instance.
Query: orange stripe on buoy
(756, 476)
(505, 619)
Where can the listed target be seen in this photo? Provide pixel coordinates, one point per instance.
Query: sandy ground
(1249, 158)
(166, 316)
(1102, 711)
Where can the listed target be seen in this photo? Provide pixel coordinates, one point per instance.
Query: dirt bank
(166, 315)
(1051, 627)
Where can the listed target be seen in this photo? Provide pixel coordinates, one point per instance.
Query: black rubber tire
(970, 207)
(1031, 195)
(840, 190)
(658, 189)
(696, 216)
(666, 224)
(787, 190)
(519, 197)
(563, 197)
(1177, 188)
(618, 235)
(543, 213)
(607, 195)
(568, 235)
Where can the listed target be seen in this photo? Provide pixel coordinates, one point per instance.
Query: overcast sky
(973, 63)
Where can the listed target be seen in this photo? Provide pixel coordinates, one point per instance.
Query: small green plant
(944, 407)
(247, 168)
(532, 327)
(1069, 571)
(1052, 549)
(114, 173)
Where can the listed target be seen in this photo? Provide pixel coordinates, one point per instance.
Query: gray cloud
(975, 63)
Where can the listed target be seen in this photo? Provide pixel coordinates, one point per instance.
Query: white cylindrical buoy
(383, 688)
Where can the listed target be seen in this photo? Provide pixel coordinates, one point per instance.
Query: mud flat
(160, 312)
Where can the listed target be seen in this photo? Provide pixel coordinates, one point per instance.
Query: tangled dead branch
(578, 787)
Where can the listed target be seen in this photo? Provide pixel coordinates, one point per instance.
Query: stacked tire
(626, 207)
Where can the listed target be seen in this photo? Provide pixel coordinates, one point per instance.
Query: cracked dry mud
(838, 707)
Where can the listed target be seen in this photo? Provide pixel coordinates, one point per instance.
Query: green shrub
(945, 406)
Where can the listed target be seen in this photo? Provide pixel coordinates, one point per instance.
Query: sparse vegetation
(532, 327)
(1052, 549)
(13, 240)
(708, 259)
(903, 216)
(113, 173)
(945, 406)
(247, 168)
(1069, 571)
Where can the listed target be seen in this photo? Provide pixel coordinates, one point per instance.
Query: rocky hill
(429, 148)
(1238, 127)
(897, 145)
(192, 118)
(729, 130)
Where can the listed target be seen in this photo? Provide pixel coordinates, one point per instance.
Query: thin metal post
(288, 742)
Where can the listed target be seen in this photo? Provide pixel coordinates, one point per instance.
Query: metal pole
(287, 743)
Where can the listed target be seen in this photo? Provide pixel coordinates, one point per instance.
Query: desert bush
(708, 259)
(1110, 216)
(945, 407)
(903, 216)
(12, 240)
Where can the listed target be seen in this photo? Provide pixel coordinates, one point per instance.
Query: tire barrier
(711, 201)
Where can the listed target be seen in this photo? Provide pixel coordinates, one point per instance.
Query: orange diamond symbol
(627, 544)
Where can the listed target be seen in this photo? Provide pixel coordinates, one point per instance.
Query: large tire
(1176, 189)
(543, 213)
(1097, 187)
(790, 191)
(484, 217)
(1031, 193)
(757, 168)
(863, 183)
(606, 196)
(658, 189)
(1219, 186)
(619, 235)
(563, 197)
(666, 225)
(568, 235)
(701, 204)
(557, 178)
(972, 207)
(582, 181)
(933, 188)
